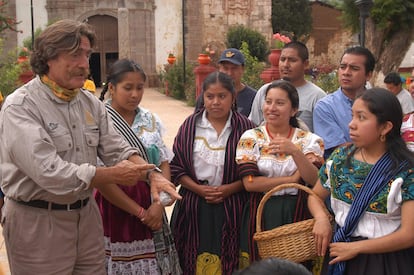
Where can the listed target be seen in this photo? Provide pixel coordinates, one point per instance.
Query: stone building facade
(147, 30)
(123, 28)
(328, 39)
(207, 22)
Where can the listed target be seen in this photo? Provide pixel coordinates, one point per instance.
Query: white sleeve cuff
(85, 174)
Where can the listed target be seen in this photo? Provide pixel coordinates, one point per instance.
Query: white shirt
(210, 150)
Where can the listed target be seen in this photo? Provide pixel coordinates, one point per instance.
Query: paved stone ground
(171, 112)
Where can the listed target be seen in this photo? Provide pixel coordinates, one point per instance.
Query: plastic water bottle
(165, 198)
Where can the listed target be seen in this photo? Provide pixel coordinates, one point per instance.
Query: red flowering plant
(24, 52)
(279, 41)
(7, 22)
(208, 50)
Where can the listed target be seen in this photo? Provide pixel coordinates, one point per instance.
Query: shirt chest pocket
(92, 138)
(62, 140)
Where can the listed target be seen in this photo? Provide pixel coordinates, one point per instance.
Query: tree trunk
(388, 53)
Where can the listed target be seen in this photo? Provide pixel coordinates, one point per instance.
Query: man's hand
(159, 183)
(129, 173)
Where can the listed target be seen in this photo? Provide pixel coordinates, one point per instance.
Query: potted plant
(23, 60)
(279, 41)
(23, 55)
(204, 57)
(171, 58)
(272, 73)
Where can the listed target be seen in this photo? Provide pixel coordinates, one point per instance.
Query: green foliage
(292, 16)
(173, 79)
(256, 41)
(389, 15)
(27, 42)
(9, 72)
(328, 81)
(252, 68)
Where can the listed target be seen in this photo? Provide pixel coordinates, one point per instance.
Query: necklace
(271, 137)
(362, 155)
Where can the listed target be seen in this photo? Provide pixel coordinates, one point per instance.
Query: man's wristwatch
(156, 169)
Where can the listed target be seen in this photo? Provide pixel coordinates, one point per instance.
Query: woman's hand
(153, 216)
(343, 251)
(322, 232)
(281, 145)
(212, 194)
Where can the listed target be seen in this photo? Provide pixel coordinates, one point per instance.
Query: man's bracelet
(156, 169)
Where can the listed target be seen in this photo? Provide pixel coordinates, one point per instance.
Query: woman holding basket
(274, 153)
(371, 186)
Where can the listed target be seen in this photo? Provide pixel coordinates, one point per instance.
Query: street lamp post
(31, 21)
(364, 7)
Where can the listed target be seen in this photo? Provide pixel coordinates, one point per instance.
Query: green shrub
(328, 81)
(27, 42)
(252, 69)
(257, 43)
(173, 76)
(9, 72)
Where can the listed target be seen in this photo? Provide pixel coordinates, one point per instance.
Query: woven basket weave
(292, 241)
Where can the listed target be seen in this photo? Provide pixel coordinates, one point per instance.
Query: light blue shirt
(331, 117)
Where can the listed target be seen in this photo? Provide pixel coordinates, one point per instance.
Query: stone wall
(194, 28)
(136, 28)
(9, 38)
(328, 39)
(208, 21)
(148, 29)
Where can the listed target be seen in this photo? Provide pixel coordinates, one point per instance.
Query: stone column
(123, 33)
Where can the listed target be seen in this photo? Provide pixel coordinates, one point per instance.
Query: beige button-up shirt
(49, 147)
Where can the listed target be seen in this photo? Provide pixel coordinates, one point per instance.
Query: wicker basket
(293, 241)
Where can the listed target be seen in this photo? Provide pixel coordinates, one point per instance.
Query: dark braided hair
(118, 71)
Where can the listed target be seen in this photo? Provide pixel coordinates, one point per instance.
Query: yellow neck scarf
(62, 93)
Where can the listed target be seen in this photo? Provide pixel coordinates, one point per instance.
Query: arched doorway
(106, 49)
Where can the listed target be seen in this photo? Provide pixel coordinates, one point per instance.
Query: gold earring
(382, 138)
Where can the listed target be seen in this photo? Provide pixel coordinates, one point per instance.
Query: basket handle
(278, 188)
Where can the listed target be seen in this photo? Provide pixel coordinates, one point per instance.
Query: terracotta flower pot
(22, 59)
(203, 59)
(171, 60)
(274, 57)
(272, 73)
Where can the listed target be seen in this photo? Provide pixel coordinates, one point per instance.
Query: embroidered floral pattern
(346, 181)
